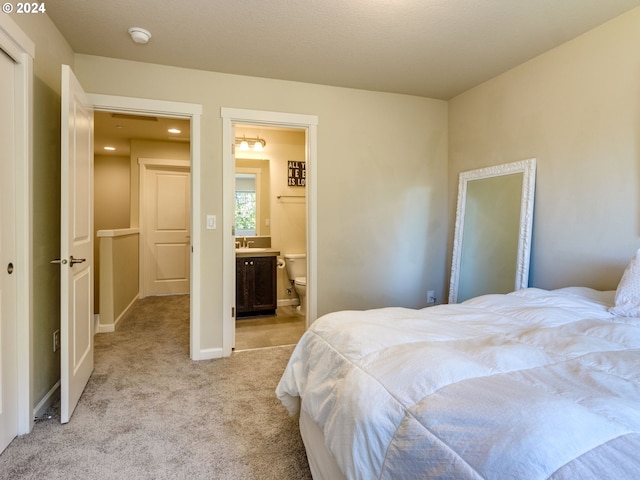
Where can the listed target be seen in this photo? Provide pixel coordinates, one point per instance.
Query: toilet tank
(296, 265)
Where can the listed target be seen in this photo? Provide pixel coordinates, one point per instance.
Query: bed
(529, 385)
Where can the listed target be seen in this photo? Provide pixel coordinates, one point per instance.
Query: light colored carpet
(149, 412)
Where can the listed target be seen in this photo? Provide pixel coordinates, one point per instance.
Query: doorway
(142, 197)
(307, 123)
(192, 113)
(270, 211)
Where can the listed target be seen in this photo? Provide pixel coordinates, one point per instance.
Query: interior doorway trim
(230, 117)
(192, 111)
(22, 50)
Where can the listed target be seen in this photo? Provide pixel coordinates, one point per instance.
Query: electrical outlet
(431, 297)
(56, 341)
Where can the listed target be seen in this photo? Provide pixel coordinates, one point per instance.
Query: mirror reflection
(252, 197)
(493, 230)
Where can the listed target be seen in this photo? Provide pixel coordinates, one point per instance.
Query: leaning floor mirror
(492, 238)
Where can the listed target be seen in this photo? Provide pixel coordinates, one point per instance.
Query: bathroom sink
(250, 249)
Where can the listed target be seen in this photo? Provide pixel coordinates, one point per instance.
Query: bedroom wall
(577, 109)
(382, 179)
(51, 52)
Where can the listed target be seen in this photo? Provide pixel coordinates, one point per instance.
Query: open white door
(76, 244)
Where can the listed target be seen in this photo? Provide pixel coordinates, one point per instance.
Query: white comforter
(530, 385)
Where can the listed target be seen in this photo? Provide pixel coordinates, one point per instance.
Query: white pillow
(627, 302)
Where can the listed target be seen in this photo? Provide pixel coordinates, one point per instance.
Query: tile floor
(285, 328)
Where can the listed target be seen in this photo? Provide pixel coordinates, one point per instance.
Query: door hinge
(233, 312)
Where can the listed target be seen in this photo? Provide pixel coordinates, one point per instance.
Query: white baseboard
(111, 327)
(46, 401)
(208, 354)
(100, 328)
(126, 310)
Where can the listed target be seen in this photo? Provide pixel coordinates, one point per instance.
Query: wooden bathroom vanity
(256, 292)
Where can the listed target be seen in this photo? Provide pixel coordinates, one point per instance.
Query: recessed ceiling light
(110, 148)
(173, 130)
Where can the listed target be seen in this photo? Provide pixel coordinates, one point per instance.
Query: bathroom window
(246, 204)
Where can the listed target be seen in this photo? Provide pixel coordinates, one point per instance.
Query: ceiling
(116, 130)
(430, 48)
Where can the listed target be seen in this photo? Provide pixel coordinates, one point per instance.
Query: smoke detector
(139, 35)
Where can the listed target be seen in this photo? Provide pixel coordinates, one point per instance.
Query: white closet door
(8, 268)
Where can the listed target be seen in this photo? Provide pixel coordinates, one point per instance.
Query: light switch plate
(211, 222)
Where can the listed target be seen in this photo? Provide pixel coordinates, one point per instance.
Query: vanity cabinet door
(256, 292)
(264, 278)
(243, 281)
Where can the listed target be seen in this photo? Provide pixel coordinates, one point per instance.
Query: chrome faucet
(242, 242)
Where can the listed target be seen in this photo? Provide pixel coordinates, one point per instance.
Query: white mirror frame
(528, 168)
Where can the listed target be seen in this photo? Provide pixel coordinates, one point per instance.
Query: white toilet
(296, 264)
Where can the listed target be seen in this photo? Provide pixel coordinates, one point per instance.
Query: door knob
(61, 261)
(73, 261)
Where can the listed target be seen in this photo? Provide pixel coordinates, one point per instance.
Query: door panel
(8, 273)
(166, 231)
(76, 256)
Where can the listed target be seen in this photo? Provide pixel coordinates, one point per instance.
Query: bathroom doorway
(293, 139)
(270, 210)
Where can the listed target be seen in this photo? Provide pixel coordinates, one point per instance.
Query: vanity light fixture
(111, 149)
(256, 144)
(173, 130)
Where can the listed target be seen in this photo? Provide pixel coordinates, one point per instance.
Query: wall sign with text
(297, 174)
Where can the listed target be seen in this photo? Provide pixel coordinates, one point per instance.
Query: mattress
(535, 384)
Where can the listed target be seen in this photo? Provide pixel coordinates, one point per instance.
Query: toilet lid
(302, 281)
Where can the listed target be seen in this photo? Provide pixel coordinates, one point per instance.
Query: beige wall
(119, 276)
(111, 185)
(382, 179)
(51, 52)
(111, 192)
(577, 109)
